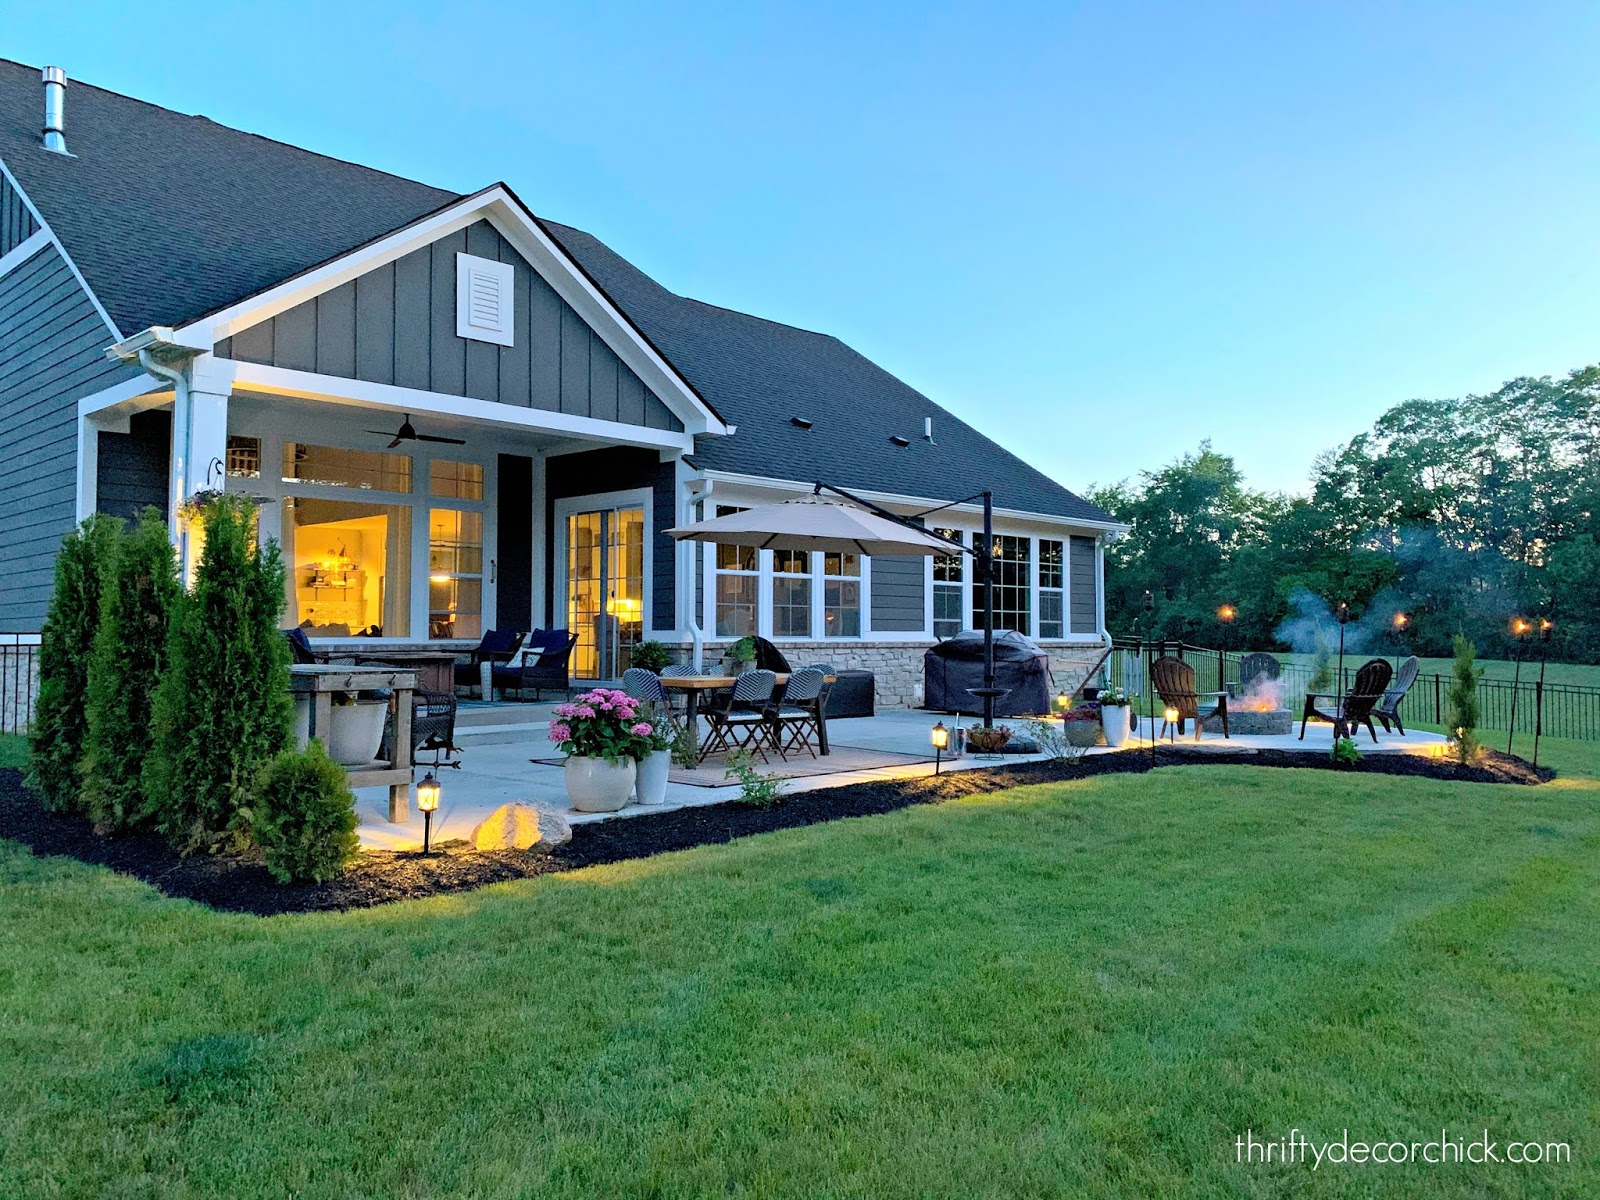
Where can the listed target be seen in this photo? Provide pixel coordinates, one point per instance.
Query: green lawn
(1577, 674)
(1086, 989)
(13, 750)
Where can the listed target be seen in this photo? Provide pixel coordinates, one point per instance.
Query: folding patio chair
(742, 717)
(799, 714)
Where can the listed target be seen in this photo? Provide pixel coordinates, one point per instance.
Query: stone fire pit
(1272, 722)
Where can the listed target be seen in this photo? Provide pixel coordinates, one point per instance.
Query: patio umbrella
(849, 524)
(814, 523)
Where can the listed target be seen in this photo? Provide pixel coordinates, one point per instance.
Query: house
(458, 415)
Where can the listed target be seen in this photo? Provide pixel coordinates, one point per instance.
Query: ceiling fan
(408, 433)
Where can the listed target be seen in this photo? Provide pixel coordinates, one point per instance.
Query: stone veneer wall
(897, 666)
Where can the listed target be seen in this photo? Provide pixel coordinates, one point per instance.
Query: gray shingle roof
(170, 217)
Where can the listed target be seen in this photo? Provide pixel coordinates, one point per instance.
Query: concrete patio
(500, 740)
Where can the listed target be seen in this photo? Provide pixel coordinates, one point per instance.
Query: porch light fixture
(428, 792)
(939, 736)
(801, 422)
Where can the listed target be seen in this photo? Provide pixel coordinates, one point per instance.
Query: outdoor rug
(713, 772)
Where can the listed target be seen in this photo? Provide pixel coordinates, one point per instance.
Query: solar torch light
(1150, 668)
(1546, 626)
(1399, 623)
(428, 792)
(1225, 614)
(1520, 629)
(940, 737)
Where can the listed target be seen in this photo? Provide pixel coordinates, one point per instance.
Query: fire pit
(1259, 712)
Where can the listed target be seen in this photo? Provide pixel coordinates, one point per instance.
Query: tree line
(1463, 514)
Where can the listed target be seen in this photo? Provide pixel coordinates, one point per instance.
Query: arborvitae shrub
(130, 654)
(1463, 712)
(305, 817)
(56, 740)
(222, 709)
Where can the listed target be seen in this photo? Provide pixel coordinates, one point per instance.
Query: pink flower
(642, 729)
(560, 732)
(581, 710)
(563, 710)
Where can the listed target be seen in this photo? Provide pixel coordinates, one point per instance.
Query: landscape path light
(940, 737)
(428, 802)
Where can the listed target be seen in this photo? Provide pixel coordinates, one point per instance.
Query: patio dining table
(694, 686)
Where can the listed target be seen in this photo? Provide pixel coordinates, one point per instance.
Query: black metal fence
(1561, 710)
(19, 680)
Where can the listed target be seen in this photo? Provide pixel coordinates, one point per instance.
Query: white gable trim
(280, 381)
(507, 214)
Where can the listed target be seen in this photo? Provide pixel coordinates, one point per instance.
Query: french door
(605, 588)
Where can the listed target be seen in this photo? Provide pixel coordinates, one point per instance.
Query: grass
(13, 750)
(1085, 989)
(1575, 674)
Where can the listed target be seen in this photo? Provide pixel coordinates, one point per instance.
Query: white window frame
(633, 498)
(1065, 590)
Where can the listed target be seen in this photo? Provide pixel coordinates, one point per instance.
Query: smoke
(1312, 627)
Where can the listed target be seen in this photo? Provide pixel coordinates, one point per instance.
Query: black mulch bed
(238, 884)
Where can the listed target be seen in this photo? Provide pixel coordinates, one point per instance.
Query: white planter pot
(651, 786)
(357, 732)
(1114, 720)
(595, 785)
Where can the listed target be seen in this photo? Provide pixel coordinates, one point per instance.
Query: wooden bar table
(694, 686)
(320, 681)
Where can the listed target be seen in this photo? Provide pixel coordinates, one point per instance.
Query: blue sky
(1101, 232)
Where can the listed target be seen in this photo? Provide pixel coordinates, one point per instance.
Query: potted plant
(741, 654)
(652, 656)
(600, 733)
(655, 762)
(1081, 725)
(356, 727)
(1115, 707)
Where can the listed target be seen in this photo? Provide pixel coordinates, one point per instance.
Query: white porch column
(199, 442)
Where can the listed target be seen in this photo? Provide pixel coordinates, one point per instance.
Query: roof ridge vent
(55, 110)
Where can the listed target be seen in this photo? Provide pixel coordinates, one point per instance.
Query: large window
(1013, 583)
(737, 585)
(949, 574)
(455, 573)
(1052, 588)
(455, 480)
(841, 595)
(349, 567)
(791, 593)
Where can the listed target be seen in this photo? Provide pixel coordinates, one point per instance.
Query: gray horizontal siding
(397, 325)
(51, 353)
(16, 222)
(1084, 585)
(897, 595)
(132, 467)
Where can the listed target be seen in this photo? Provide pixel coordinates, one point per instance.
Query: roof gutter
(160, 352)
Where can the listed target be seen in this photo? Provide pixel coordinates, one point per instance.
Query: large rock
(521, 827)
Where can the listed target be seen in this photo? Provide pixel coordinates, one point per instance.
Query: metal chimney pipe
(55, 105)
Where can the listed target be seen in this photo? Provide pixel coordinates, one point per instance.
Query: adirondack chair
(1388, 709)
(1174, 683)
(1356, 708)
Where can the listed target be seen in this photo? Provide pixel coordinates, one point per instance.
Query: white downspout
(178, 470)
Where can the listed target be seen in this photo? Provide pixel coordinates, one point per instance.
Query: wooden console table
(320, 681)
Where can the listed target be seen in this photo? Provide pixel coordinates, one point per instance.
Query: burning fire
(1263, 695)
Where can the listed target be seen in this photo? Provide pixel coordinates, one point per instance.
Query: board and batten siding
(52, 344)
(397, 325)
(132, 469)
(1083, 582)
(16, 221)
(897, 595)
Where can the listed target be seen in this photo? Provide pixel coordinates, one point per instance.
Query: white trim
(24, 250)
(486, 279)
(44, 226)
(507, 214)
(896, 499)
(119, 395)
(280, 381)
(640, 498)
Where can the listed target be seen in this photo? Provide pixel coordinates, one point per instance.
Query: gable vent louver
(485, 300)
